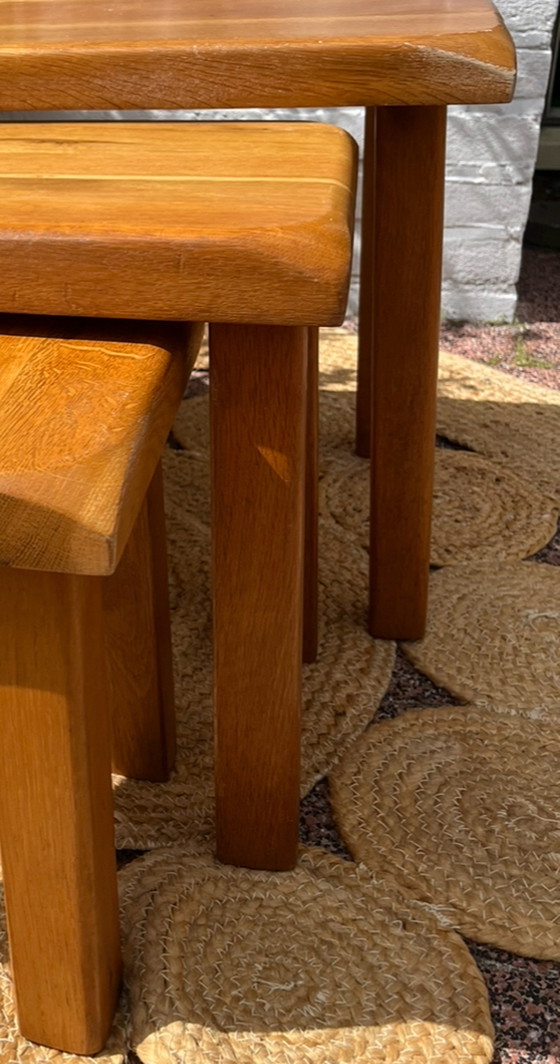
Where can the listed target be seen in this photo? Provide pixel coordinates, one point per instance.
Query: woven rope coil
(511, 421)
(460, 809)
(482, 511)
(230, 966)
(17, 1050)
(341, 691)
(337, 393)
(502, 418)
(188, 471)
(493, 634)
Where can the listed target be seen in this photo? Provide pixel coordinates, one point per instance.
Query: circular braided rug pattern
(14, 1049)
(460, 809)
(482, 511)
(337, 382)
(511, 421)
(493, 634)
(231, 966)
(190, 471)
(341, 691)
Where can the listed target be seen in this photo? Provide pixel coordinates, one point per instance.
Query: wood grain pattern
(366, 353)
(251, 53)
(138, 640)
(56, 822)
(257, 403)
(409, 183)
(85, 410)
(311, 547)
(200, 222)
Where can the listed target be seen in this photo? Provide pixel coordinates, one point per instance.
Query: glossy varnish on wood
(258, 380)
(56, 817)
(250, 53)
(138, 641)
(86, 407)
(406, 282)
(311, 562)
(85, 410)
(197, 222)
(366, 352)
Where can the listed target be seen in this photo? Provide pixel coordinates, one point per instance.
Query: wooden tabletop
(80, 54)
(200, 221)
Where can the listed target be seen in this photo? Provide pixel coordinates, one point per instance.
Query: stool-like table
(247, 226)
(405, 61)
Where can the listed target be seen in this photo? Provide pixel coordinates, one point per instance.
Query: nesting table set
(247, 226)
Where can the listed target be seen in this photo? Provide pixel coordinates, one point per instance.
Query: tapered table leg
(139, 654)
(56, 817)
(311, 562)
(258, 423)
(409, 186)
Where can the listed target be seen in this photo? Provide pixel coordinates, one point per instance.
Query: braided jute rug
(341, 691)
(482, 510)
(493, 634)
(507, 420)
(503, 418)
(459, 808)
(17, 1050)
(314, 966)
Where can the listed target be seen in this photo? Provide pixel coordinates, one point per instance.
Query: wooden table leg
(258, 422)
(56, 817)
(139, 654)
(365, 337)
(409, 187)
(311, 554)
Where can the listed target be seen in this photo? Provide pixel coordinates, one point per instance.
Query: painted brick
(488, 205)
(532, 72)
(486, 257)
(478, 303)
(486, 136)
(535, 37)
(492, 172)
(521, 16)
(491, 154)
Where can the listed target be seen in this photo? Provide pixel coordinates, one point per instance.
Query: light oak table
(247, 226)
(85, 643)
(405, 60)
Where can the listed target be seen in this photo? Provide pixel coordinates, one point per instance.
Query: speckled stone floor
(524, 994)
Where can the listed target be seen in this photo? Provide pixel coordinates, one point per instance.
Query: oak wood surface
(366, 353)
(138, 641)
(56, 817)
(251, 53)
(233, 222)
(311, 544)
(257, 404)
(409, 185)
(84, 413)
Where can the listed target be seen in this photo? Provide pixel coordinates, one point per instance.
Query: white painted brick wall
(491, 157)
(491, 154)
